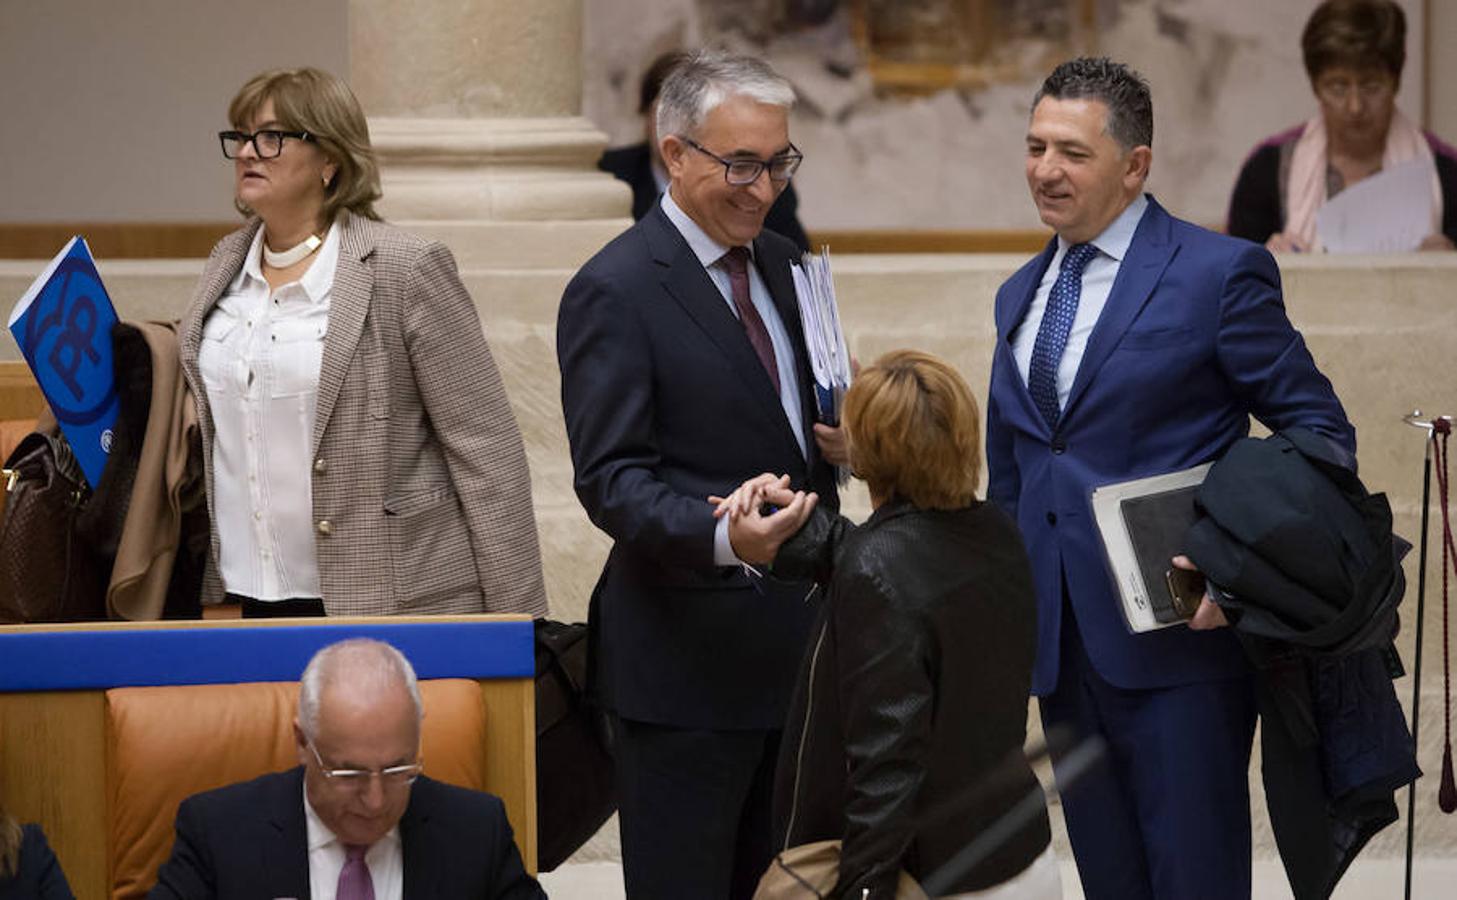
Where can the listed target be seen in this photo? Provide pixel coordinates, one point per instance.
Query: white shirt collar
(319, 835)
(1116, 238)
(320, 276)
(704, 247)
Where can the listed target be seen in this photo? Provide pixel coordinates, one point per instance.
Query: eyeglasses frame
(1368, 89)
(346, 778)
(246, 138)
(763, 166)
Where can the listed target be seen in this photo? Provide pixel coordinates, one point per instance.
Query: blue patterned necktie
(1057, 322)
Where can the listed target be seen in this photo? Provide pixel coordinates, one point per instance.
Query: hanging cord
(1441, 431)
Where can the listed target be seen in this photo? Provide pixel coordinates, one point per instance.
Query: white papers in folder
(1390, 212)
(819, 315)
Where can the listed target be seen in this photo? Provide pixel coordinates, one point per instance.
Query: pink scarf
(1305, 187)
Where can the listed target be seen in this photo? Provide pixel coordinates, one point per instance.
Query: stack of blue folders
(829, 359)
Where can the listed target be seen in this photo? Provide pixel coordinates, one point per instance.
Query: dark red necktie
(736, 261)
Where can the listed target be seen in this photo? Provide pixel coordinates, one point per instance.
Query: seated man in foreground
(357, 820)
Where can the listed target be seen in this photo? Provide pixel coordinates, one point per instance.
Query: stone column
(475, 109)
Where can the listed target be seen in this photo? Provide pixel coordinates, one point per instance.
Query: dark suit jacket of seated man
(249, 840)
(1135, 344)
(356, 819)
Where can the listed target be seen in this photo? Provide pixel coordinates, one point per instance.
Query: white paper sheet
(1390, 212)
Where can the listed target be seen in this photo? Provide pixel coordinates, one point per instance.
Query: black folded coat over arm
(1303, 561)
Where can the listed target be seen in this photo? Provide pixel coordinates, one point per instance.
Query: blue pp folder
(63, 325)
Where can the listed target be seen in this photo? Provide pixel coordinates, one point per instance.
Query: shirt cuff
(723, 550)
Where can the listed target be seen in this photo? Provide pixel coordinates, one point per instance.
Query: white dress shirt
(260, 358)
(709, 252)
(1098, 278)
(385, 859)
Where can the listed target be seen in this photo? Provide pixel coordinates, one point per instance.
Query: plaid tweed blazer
(421, 492)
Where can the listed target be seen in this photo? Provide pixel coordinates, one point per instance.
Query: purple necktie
(354, 880)
(736, 261)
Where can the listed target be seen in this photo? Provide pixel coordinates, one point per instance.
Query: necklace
(282, 259)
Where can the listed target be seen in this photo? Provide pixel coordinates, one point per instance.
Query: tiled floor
(1369, 879)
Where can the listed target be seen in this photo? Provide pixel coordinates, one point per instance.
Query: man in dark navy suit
(356, 820)
(1135, 344)
(684, 373)
(642, 169)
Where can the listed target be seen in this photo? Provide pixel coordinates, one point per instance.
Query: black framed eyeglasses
(267, 143)
(741, 172)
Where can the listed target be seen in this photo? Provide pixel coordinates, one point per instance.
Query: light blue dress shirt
(1098, 278)
(709, 252)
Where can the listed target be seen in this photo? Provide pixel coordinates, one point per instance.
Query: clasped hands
(756, 533)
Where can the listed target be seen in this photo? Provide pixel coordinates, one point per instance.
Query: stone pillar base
(495, 169)
(501, 193)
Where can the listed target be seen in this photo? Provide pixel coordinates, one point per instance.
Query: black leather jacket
(905, 733)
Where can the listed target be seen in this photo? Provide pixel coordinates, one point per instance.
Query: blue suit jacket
(1194, 339)
(666, 403)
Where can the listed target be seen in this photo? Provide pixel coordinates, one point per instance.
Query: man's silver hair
(709, 77)
(362, 662)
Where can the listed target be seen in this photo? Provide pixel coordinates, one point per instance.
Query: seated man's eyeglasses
(740, 172)
(358, 779)
(267, 143)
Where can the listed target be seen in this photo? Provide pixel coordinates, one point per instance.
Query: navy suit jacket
(250, 840)
(666, 403)
(1193, 341)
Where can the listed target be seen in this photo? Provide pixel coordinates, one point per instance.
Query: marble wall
(109, 109)
(1225, 74)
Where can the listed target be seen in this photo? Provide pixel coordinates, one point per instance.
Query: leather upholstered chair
(167, 743)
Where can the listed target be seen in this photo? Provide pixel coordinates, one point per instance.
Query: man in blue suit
(684, 373)
(1135, 344)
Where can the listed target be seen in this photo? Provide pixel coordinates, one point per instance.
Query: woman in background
(1354, 52)
(904, 738)
(361, 455)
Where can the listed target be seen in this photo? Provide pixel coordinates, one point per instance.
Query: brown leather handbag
(47, 573)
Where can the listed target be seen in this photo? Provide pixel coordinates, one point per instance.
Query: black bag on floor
(574, 791)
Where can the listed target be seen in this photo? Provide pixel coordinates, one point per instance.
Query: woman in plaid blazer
(360, 451)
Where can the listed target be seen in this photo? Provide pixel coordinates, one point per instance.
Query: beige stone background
(478, 108)
(1225, 74)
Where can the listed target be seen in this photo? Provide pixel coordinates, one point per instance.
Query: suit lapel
(690, 285)
(1149, 254)
(284, 854)
(222, 267)
(1008, 319)
(422, 866)
(777, 278)
(348, 303)
(227, 261)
